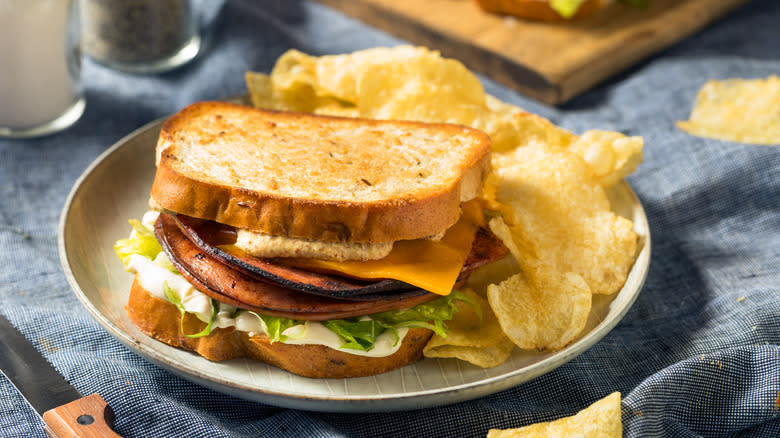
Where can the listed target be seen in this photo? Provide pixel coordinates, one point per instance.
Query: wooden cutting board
(551, 62)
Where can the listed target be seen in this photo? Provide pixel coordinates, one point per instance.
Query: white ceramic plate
(116, 187)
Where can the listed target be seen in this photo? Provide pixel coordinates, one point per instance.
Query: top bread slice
(317, 177)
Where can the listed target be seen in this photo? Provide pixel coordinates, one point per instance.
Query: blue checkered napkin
(697, 354)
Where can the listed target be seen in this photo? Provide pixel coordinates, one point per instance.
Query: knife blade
(64, 411)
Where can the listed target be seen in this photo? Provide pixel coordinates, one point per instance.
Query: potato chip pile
(546, 192)
(742, 110)
(599, 420)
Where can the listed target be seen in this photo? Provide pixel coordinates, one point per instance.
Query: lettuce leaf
(566, 8)
(275, 326)
(142, 243)
(431, 315)
(357, 334)
(361, 333)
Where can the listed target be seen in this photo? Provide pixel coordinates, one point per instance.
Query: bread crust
(537, 9)
(160, 320)
(409, 216)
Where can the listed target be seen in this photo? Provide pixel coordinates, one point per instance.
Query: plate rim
(352, 403)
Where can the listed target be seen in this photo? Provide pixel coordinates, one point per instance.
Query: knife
(64, 411)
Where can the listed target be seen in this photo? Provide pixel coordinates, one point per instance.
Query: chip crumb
(48, 345)
(741, 299)
(15, 230)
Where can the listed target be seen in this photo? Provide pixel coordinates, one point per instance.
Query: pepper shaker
(140, 36)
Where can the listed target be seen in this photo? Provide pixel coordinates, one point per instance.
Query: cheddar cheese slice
(430, 265)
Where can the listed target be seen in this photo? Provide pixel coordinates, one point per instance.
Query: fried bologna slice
(226, 285)
(160, 320)
(317, 177)
(208, 235)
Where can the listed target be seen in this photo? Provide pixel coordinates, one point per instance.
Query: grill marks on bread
(330, 159)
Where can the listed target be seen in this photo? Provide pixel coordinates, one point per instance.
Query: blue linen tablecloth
(697, 355)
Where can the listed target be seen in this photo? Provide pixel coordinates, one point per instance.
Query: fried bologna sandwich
(329, 247)
(544, 10)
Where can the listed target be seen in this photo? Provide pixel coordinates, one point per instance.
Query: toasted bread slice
(160, 320)
(317, 177)
(537, 9)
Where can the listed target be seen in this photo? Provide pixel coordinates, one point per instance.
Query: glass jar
(139, 36)
(40, 65)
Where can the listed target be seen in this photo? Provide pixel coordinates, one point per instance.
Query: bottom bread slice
(160, 320)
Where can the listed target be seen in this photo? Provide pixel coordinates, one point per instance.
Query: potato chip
(742, 110)
(426, 88)
(510, 129)
(298, 97)
(294, 68)
(261, 90)
(479, 341)
(338, 75)
(561, 209)
(611, 155)
(265, 94)
(602, 419)
(294, 83)
(540, 308)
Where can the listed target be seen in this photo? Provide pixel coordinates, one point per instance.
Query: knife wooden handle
(86, 417)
